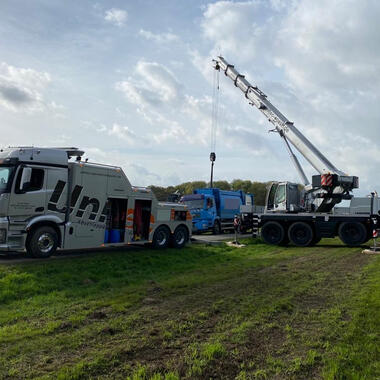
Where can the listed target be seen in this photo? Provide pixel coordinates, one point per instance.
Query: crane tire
(273, 233)
(301, 234)
(353, 234)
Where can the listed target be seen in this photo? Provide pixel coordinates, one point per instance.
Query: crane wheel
(301, 234)
(273, 233)
(353, 233)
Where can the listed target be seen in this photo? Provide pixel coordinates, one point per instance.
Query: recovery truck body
(305, 214)
(48, 201)
(214, 209)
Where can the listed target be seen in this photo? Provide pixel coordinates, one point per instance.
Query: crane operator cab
(284, 197)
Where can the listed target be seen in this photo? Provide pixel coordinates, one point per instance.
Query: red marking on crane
(326, 179)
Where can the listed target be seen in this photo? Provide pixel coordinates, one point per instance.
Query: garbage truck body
(214, 209)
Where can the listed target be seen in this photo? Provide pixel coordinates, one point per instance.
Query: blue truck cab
(214, 209)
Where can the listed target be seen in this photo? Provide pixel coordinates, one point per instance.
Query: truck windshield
(193, 203)
(5, 178)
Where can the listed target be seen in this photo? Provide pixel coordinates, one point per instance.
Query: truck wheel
(352, 233)
(42, 242)
(180, 237)
(301, 234)
(161, 237)
(216, 230)
(273, 233)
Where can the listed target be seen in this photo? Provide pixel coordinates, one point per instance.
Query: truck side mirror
(25, 179)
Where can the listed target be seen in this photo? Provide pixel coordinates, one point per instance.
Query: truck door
(56, 191)
(28, 195)
(280, 198)
(211, 209)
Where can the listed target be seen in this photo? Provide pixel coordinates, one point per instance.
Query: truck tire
(352, 233)
(273, 233)
(42, 242)
(161, 237)
(301, 234)
(180, 237)
(216, 229)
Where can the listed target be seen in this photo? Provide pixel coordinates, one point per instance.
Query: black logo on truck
(75, 195)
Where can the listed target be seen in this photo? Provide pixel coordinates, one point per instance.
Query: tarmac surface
(206, 238)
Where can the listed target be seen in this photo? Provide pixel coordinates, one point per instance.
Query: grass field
(258, 312)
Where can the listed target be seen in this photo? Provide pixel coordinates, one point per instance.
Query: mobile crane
(305, 214)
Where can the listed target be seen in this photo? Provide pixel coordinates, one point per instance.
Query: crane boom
(283, 126)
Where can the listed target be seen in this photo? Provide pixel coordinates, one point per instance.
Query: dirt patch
(97, 314)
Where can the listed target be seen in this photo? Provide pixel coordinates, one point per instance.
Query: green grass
(257, 312)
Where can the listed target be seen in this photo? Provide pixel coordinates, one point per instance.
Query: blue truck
(214, 209)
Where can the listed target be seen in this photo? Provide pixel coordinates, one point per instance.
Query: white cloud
(122, 132)
(160, 38)
(154, 85)
(21, 89)
(334, 39)
(175, 132)
(238, 28)
(116, 16)
(119, 132)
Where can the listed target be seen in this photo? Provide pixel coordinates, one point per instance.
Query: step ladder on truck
(48, 201)
(303, 214)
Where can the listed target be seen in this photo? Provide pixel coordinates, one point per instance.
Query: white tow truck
(304, 214)
(50, 198)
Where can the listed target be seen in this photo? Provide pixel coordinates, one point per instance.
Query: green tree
(239, 184)
(223, 185)
(161, 193)
(259, 190)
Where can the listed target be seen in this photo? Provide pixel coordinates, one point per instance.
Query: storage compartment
(116, 211)
(141, 219)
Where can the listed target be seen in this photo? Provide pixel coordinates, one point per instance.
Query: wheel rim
(301, 235)
(161, 238)
(352, 233)
(45, 242)
(273, 234)
(180, 237)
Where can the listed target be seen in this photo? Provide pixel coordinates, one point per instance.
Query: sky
(132, 83)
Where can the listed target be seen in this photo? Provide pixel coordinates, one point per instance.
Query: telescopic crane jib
(331, 185)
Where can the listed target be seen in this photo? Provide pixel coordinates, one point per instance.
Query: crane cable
(215, 110)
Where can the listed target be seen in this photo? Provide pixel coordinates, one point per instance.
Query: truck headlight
(3, 235)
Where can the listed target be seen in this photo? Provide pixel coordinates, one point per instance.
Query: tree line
(258, 189)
